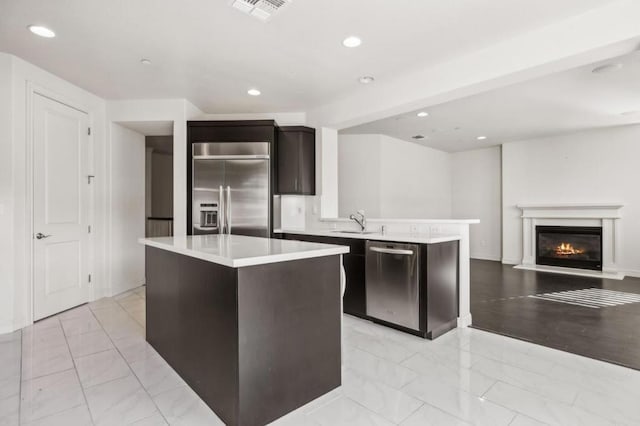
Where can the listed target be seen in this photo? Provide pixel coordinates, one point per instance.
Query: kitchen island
(251, 324)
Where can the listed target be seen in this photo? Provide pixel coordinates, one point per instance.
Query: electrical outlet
(483, 243)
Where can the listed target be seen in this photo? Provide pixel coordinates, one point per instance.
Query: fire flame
(566, 249)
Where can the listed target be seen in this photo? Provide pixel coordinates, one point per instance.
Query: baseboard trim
(11, 328)
(632, 273)
(464, 321)
(486, 257)
(510, 261)
(572, 271)
(124, 289)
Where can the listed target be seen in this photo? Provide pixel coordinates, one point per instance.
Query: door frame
(32, 90)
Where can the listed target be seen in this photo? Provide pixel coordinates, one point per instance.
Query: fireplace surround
(606, 216)
(569, 246)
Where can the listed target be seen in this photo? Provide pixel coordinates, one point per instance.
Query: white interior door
(61, 201)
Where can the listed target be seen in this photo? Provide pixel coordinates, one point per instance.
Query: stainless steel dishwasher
(392, 278)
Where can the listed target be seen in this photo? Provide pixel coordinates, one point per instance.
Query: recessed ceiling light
(601, 69)
(366, 79)
(418, 137)
(145, 61)
(253, 92)
(423, 114)
(481, 138)
(41, 31)
(352, 41)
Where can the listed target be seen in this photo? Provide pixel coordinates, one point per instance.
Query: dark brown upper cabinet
(230, 131)
(296, 161)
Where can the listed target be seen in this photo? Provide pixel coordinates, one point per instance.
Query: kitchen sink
(355, 232)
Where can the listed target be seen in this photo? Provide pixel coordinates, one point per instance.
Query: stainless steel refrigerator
(231, 188)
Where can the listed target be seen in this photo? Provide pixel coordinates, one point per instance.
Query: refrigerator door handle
(221, 210)
(227, 205)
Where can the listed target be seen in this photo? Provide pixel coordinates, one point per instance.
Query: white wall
(291, 213)
(416, 180)
(359, 174)
(327, 171)
(6, 196)
(127, 209)
(476, 193)
(591, 166)
(391, 178)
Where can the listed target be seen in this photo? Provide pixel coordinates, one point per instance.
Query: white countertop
(376, 236)
(236, 251)
(413, 221)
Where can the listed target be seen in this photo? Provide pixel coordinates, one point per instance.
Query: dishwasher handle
(391, 251)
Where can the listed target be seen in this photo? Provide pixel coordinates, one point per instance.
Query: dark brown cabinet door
(307, 169)
(355, 296)
(230, 131)
(296, 162)
(288, 162)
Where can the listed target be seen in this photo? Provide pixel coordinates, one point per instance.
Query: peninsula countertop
(416, 238)
(236, 251)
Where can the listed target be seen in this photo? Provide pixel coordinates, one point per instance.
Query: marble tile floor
(92, 366)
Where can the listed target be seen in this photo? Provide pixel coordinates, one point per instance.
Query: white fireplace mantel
(606, 215)
(572, 210)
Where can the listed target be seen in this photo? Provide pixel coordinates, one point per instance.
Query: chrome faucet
(362, 221)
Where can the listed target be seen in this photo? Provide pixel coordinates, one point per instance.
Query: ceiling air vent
(261, 9)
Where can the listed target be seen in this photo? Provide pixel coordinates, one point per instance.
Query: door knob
(40, 235)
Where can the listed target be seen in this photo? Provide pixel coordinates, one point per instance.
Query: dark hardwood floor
(500, 304)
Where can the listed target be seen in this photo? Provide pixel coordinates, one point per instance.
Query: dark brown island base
(251, 324)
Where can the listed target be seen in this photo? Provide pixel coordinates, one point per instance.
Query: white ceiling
(565, 102)
(209, 53)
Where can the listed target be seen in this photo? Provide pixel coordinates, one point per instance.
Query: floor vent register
(591, 297)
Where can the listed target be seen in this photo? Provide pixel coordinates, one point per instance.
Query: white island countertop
(376, 236)
(236, 251)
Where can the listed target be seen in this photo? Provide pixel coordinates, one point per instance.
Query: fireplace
(603, 219)
(569, 246)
